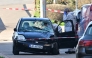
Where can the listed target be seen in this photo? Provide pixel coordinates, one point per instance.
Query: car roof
(34, 18)
(86, 5)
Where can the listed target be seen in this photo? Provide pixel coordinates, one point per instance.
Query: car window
(35, 25)
(89, 31)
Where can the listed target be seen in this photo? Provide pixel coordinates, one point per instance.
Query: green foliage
(55, 15)
(64, 2)
(37, 12)
(49, 1)
(2, 57)
(71, 4)
(62, 23)
(58, 2)
(82, 2)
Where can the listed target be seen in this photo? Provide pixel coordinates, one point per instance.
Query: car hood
(36, 34)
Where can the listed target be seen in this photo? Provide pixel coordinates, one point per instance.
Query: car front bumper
(25, 46)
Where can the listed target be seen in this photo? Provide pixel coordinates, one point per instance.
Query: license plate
(36, 46)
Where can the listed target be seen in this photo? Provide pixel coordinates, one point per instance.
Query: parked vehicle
(84, 46)
(32, 35)
(83, 18)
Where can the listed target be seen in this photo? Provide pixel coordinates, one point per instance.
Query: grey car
(84, 46)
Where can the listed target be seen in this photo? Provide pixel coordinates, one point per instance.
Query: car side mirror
(15, 29)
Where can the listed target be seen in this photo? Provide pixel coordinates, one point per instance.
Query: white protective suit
(68, 25)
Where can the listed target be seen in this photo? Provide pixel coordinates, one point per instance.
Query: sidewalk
(6, 35)
(3, 56)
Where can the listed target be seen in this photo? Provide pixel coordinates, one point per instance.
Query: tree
(37, 7)
(71, 4)
(49, 1)
(82, 2)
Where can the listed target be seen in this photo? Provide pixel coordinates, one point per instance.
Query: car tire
(55, 50)
(15, 50)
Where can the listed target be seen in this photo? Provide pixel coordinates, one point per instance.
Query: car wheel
(15, 50)
(55, 50)
(79, 55)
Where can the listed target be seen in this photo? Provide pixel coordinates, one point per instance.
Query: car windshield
(35, 25)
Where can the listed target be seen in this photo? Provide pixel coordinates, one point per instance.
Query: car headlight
(21, 38)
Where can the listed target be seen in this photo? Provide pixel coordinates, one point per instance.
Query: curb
(4, 56)
(6, 41)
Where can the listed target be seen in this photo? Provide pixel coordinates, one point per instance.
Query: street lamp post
(43, 8)
(54, 1)
(76, 6)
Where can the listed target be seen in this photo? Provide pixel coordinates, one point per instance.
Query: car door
(68, 39)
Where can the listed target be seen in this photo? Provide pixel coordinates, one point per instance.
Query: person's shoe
(70, 52)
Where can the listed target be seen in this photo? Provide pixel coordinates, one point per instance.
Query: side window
(89, 30)
(17, 26)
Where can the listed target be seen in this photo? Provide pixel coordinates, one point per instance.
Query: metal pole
(54, 1)
(43, 8)
(76, 6)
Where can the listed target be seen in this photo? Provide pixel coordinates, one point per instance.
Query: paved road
(6, 49)
(6, 2)
(9, 19)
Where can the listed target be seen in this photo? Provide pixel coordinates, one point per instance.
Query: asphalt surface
(7, 2)
(9, 20)
(6, 49)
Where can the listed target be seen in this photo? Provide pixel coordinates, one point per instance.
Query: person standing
(66, 11)
(69, 16)
(68, 26)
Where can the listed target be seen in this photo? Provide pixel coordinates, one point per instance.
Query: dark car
(84, 46)
(34, 35)
(37, 35)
